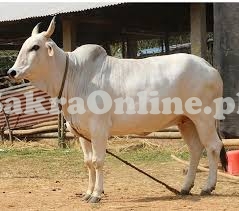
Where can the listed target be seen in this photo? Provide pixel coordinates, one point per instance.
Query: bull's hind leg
(87, 150)
(210, 140)
(190, 136)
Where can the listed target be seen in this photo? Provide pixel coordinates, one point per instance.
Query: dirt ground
(23, 187)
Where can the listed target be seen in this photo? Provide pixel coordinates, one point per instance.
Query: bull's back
(171, 75)
(178, 75)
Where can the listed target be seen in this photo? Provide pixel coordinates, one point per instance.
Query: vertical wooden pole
(69, 44)
(106, 46)
(131, 48)
(69, 35)
(1, 135)
(162, 46)
(198, 29)
(59, 129)
(8, 126)
(166, 42)
(124, 50)
(63, 142)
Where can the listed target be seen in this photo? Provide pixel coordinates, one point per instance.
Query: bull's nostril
(12, 73)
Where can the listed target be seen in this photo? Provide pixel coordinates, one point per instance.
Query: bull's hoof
(86, 197)
(185, 192)
(205, 192)
(94, 199)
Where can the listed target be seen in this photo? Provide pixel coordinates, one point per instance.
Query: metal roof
(13, 11)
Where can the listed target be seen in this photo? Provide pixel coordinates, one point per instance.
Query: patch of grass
(145, 155)
(183, 155)
(59, 163)
(41, 163)
(35, 152)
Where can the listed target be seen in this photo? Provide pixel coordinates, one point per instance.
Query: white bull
(42, 62)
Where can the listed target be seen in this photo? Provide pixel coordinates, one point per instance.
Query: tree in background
(226, 59)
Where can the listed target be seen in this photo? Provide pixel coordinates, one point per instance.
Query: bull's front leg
(87, 150)
(98, 157)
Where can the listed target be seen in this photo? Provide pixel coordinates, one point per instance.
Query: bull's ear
(50, 48)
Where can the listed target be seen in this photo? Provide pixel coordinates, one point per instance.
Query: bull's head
(33, 58)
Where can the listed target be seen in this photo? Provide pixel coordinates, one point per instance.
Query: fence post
(8, 126)
(69, 44)
(63, 143)
(61, 131)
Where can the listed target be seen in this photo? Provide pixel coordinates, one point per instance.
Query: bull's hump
(91, 51)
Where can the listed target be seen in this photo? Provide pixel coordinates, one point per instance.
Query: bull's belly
(124, 124)
(140, 124)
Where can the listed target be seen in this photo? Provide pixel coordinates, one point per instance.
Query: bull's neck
(51, 83)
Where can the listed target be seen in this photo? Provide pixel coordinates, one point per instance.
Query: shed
(103, 23)
(106, 23)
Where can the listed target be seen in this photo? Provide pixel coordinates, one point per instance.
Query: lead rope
(173, 190)
(143, 172)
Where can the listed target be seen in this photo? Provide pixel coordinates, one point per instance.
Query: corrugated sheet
(13, 11)
(24, 120)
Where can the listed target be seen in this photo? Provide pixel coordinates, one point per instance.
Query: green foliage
(7, 59)
(179, 39)
(144, 44)
(116, 49)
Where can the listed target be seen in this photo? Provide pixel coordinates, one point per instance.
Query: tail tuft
(223, 154)
(223, 158)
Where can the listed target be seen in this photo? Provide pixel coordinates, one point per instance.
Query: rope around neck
(63, 82)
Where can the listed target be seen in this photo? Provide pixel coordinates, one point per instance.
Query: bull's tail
(223, 158)
(223, 154)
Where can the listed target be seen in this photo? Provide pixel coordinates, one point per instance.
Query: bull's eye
(35, 48)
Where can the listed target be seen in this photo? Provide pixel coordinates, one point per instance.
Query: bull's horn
(51, 28)
(36, 29)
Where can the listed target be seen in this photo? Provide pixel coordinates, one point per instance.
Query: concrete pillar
(226, 60)
(69, 35)
(198, 29)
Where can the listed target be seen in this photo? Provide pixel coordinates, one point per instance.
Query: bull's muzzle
(11, 73)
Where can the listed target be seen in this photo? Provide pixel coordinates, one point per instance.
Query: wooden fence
(39, 126)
